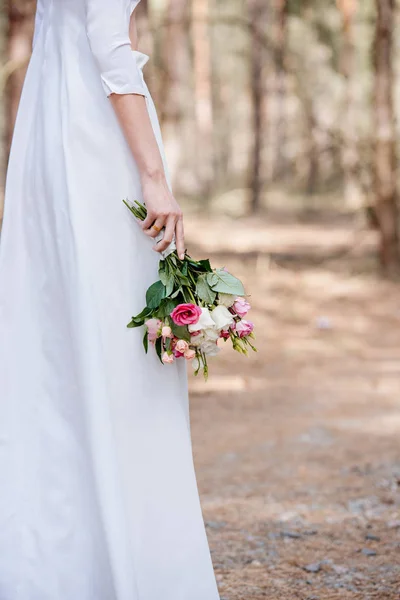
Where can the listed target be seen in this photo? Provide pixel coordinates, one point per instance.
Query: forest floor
(298, 450)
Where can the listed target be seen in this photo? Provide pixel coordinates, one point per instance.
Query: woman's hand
(163, 212)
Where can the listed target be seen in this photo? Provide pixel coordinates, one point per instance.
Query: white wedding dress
(98, 497)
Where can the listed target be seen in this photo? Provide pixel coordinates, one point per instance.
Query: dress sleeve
(107, 25)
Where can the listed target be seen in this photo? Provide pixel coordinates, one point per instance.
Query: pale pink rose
(166, 332)
(153, 328)
(244, 328)
(241, 307)
(186, 314)
(190, 354)
(167, 358)
(181, 346)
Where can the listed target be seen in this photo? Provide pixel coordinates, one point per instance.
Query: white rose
(227, 300)
(205, 321)
(211, 335)
(222, 317)
(209, 348)
(196, 340)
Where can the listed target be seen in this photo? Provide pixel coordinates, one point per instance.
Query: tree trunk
(256, 9)
(385, 144)
(203, 92)
(349, 151)
(175, 60)
(279, 166)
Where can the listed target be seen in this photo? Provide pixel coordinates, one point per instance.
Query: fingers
(180, 238)
(157, 226)
(149, 220)
(168, 235)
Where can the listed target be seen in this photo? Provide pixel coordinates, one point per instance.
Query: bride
(98, 493)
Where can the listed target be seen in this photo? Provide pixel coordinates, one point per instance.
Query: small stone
(372, 538)
(291, 534)
(368, 552)
(255, 563)
(313, 568)
(215, 524)
(310, 532)
(340, 570)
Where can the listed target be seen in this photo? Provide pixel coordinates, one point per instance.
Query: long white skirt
(98, 497)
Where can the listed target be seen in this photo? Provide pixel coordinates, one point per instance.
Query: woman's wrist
(152, 174)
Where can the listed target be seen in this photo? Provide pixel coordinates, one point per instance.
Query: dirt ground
(297, 449)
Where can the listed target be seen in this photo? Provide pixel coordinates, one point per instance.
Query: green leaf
(204, 291)
(169, 285)
(226, 283)
(163, 274)
(166, 307)
(146, 341)
(155, 294)
(159, 348)
(176, 293)
(134, 324)
(212, 279)
(180, 331)
(184, 270)
(141, 317)
(183, 279)
(205, 264)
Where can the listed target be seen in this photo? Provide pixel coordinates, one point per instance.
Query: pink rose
(167, 358)
(244, 328)
(224, 333)
(241, 307)
(190, 354)
(186, 314)
(153, 329)
(181, 346)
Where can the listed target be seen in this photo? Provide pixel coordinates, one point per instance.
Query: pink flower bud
(244, 328)
(241, 307)
(166, 332)
(181, 346)
(190, 354)
(153, 328)
(167, 358)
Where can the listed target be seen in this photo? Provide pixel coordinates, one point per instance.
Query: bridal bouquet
(192, 309)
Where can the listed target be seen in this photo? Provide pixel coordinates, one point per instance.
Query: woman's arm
(109, 32)
(163, 210)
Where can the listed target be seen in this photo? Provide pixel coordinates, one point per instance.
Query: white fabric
(98, 498)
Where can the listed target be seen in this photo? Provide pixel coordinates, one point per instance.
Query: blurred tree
(175, 60)
(280, 45)
(349, 149)
(203, 93)
(258, 19)
(387, 211)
